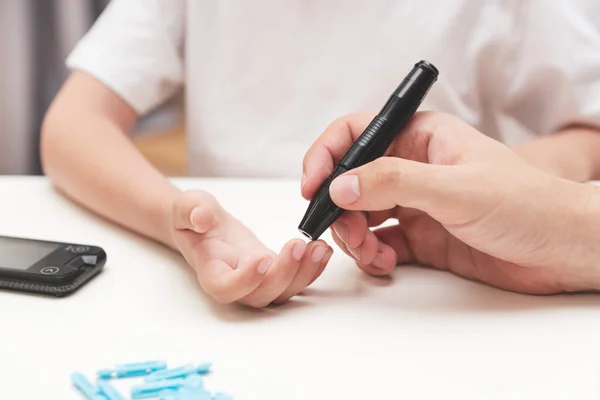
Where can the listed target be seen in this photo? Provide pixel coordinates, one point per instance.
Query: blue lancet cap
(85, 387)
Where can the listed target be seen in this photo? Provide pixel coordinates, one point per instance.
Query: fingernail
(341, 229)
(378, 261)
(328, 255)
(318, 254)
(264, 265)
(345, 189)
(355, 252)
(304, 179)
(298, 251)
(195, 210)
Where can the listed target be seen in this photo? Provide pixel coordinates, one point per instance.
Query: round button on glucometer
(49, 270)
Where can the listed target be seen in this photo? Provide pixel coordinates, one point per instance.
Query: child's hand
(232, 264)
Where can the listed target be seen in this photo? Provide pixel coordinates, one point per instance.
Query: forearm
(572, 154)
(580, 254)
(93, 162)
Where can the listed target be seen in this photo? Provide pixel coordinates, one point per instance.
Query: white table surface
(423, 334)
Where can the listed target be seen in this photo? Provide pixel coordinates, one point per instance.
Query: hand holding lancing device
(463, 202)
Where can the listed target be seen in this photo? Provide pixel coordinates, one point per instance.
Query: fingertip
(318, 242)
(328, 255)
(358, 229)
(202, 219)
(294, 249)
(194, 216)
(351, 228)
(341, 230)
(322, 265)
(309, 187)
(290, 244)
(338, 242)
(354, 253)
(368, 248)
(314, 243)
(373, 271)
(318, 253)
(385, 259)
(303, 185)
(298, 250)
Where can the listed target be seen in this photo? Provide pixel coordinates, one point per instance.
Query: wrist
(164, 217)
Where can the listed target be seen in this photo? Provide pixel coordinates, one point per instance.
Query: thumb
(389, 182)
(195, 210)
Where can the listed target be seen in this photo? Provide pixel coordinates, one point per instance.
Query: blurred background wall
(35, 38)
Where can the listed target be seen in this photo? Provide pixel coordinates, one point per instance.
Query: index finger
(329, 148)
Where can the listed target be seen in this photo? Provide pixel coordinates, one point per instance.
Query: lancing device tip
(85, 387)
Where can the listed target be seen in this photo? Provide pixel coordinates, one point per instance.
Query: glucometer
(44, 267)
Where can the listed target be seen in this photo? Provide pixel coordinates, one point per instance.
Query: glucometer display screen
(21, 254)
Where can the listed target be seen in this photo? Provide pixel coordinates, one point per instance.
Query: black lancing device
(322, 212)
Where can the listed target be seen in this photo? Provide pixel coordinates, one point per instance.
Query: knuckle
(430, 116)
(340, 121)
(334, 126)
(426, 122)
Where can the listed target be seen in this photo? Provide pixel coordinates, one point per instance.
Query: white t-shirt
(263, 78)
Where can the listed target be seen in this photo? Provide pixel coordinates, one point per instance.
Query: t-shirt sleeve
(555, 79)
(135, 48)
